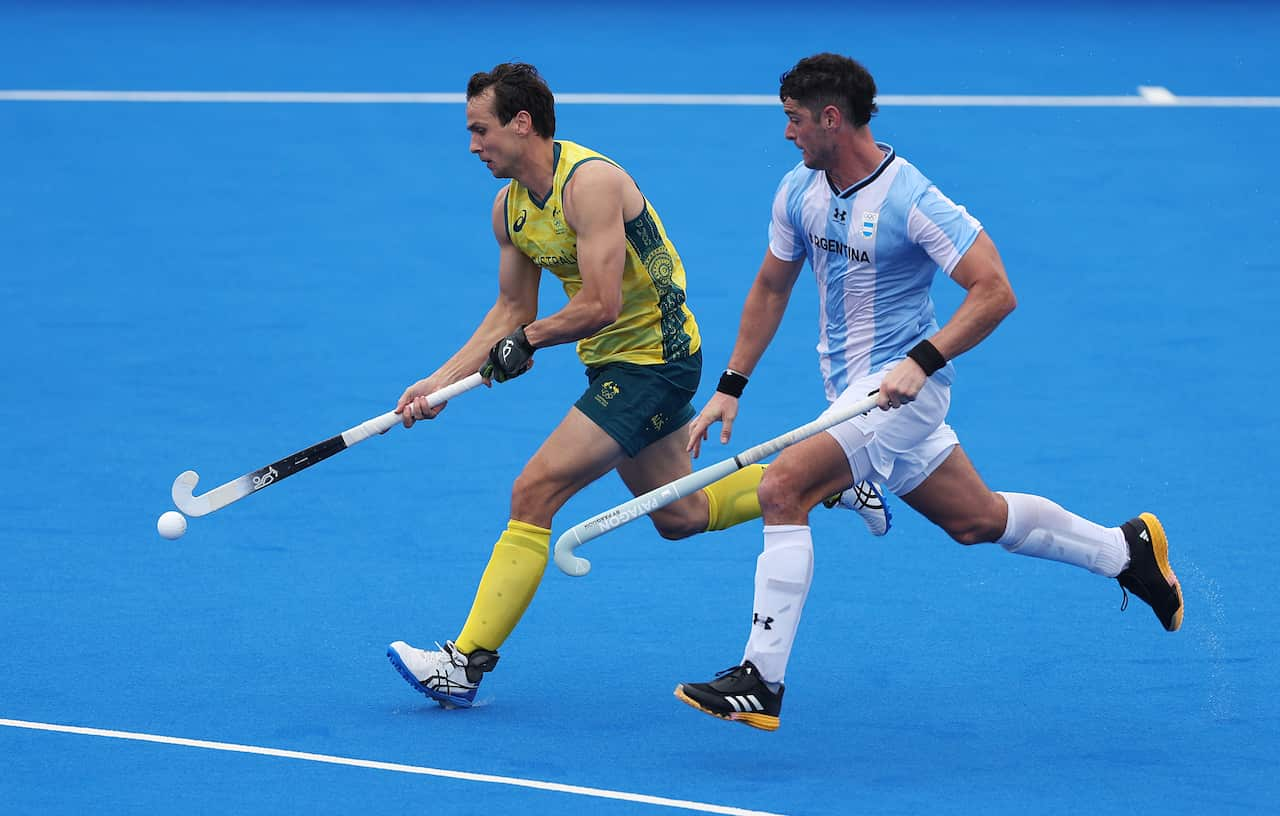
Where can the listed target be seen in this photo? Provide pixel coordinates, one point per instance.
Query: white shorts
(900, 447)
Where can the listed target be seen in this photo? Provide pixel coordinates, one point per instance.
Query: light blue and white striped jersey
(874, 249)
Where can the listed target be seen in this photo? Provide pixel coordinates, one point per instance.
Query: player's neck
(538, 170)
(855, 160)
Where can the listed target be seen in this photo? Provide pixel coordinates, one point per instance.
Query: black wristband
(731, 383)
(927, 357)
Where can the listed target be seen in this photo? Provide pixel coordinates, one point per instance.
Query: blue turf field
(213, 286)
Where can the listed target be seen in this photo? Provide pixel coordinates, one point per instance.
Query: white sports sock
(1039, 528)
(783, 574)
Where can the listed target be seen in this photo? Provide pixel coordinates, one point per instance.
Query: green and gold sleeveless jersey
(654, 325)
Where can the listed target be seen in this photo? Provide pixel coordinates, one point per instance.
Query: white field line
(576, 790)
(1147, 97)
(1157, 94)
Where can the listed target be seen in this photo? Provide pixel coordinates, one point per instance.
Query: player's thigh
(576, 453)
(897, 448)
(650, 418)
(803, 475)
(658, 463)
(955, 498)
(625, 409)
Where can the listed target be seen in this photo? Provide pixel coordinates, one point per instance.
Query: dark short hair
(517, 86)
(831, 79)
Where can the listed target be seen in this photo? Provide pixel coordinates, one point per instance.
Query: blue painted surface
(213, 286)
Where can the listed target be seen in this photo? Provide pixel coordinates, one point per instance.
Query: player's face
(494, 143)
(804, 129)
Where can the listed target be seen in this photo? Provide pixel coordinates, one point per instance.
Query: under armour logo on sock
(755, 618)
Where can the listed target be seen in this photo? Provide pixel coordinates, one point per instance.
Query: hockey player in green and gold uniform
(577, 214)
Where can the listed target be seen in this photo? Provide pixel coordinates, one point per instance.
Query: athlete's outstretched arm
(593, 202)
(517, 303)
(761, 314)
(988, 300)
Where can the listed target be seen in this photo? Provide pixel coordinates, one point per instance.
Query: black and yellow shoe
(736, 694)
(1149, 575)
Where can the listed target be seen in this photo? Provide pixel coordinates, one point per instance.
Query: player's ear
(831, 117)
(524, 123)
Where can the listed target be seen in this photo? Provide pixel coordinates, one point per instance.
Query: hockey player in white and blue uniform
(876, 232)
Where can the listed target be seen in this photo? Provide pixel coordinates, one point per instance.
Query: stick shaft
(236, 489)
(660, 497)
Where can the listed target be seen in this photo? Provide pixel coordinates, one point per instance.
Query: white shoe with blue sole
(444, 674)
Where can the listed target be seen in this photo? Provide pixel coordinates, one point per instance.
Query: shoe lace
(730, 670)
(454, 655)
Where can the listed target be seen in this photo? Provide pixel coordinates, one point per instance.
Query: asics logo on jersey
(756, 619)
(840, 248)
(518, 224)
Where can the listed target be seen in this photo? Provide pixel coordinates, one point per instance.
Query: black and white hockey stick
(659, 497)
(218, 498)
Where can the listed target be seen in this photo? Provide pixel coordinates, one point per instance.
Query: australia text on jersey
(548, 261)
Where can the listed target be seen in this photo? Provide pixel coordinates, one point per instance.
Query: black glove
(510, 357)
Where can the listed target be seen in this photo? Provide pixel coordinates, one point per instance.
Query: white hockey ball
(172, 524)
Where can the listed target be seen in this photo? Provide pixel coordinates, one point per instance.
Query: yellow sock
(733, 499)
(507, 586)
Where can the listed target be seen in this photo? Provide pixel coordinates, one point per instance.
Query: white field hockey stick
(221, 496)
(660, 497)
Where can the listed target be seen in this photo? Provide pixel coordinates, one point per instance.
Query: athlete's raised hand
(723, 409)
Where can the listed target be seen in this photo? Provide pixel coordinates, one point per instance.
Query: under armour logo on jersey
(839, 215)
(756, 619)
